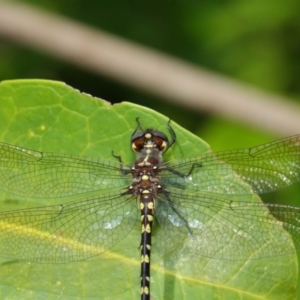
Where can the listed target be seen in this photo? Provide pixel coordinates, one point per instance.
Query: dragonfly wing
(263, 168)
(36, 174)
(206, 174)
(214, 226)
(69, 232)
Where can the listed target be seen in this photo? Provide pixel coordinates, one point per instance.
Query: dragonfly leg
(123, 170)
(182, 175)
(173, 140)
(138, 127)
(171, 205)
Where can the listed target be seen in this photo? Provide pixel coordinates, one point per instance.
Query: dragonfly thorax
(146, 167)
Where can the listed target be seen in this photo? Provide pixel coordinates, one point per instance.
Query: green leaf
(52, 117)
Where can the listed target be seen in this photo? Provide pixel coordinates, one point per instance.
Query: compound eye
(161, 140)
(164, 146)
(138, 142)
(133, 147)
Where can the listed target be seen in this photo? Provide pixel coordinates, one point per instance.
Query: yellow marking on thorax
(146, 158)
(145, 177)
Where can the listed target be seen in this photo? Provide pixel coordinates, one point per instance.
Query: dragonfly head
(149, 139)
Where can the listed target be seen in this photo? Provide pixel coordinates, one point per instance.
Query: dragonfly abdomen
(147, 214)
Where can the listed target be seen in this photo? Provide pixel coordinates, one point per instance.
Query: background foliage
(256, 42)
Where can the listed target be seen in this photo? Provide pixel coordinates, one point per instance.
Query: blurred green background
(256, 42)
(251, 41)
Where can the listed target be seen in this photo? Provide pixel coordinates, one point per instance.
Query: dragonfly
(202, 200)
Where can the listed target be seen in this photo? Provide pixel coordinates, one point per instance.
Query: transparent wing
(217, 227)
(36, 174)
(264, 168)
(69, 232)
